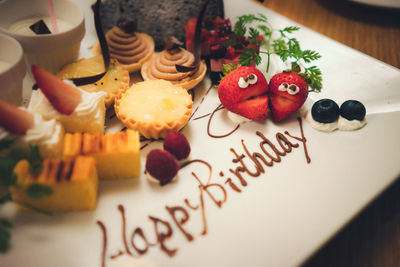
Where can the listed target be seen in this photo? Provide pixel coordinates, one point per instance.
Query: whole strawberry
(287, 92)
(244, 92)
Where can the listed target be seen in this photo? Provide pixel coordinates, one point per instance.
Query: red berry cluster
(162, 164)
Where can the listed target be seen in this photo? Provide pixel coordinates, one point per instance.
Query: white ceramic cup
(49, 51)
(12, 70)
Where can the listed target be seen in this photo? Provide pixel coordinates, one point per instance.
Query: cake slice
(24, 128)
(76, 109)
(117, 155)
(74, 183)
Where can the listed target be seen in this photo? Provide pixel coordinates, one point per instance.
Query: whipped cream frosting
(91, 107)
(127, 48)
(340, 124)
(236, 118)
(88, 116)
(47, 134)
(162, 66)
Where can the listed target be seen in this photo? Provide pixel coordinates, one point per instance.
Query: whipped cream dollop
(340, 124)
(89, 110)
(236, 118)
(47, 134)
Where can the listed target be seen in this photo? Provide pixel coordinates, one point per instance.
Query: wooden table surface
(373, 237)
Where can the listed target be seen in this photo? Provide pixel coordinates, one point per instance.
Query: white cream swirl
(347, 125)
(341, 123)
(48, 135)
(90, 110)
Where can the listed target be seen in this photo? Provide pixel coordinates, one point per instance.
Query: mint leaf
(265, 29)
(7, 176)
(291, 29)
(315, 75)
(5, 223)
(253, 35)
(239, 29)
(5, 237)
(38, 191)
(249, 56)
(6, 143)
(309, 56)
(231, 42)
(34, 159)
(5, 234)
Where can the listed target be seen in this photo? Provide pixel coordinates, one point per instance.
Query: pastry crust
(154, 108)
(155, 67)
(115, 80)
(134, 67)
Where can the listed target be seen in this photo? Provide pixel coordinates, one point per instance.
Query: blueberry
(352, 110)
(325, 111)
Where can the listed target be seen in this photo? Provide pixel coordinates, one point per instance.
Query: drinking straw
(53, 20)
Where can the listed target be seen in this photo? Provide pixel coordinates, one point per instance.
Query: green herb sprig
(288, 48)
(8, 179)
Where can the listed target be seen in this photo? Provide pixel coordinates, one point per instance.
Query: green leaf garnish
(34, 159)
(286, 47)
(5, 237)
(7, 177)
(38, 191)
(6, 143)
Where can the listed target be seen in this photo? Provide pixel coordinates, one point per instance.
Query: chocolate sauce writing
(136, 242)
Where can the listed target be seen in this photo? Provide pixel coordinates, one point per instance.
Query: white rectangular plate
(278, 219)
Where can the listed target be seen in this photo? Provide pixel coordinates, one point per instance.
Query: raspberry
(177, 144)
(162, 165)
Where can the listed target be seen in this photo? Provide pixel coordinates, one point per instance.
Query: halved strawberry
(64, 97)
(255, 109)
(281, 107)
(15, 120)
(287, 93)
(243, 91)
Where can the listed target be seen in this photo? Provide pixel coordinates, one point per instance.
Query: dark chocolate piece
(180, 68)
(40, 27)
(158, 18)
(172, 44)
(127, 25)
(197, 42)
(104, 49)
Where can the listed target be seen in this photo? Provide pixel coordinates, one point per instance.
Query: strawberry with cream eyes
(287, 92)
(244, 92)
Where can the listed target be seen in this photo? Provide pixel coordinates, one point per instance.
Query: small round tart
(154, 108)
(115, 80)
(162, 66)
(131, 52)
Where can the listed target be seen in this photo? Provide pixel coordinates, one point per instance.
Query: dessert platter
(253, 171)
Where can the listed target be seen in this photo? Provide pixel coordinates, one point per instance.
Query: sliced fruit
(243, 91)
(325, 111)
(255, 109)
(64, 97)
(287, 92)
(15, 120)
(282, 107)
